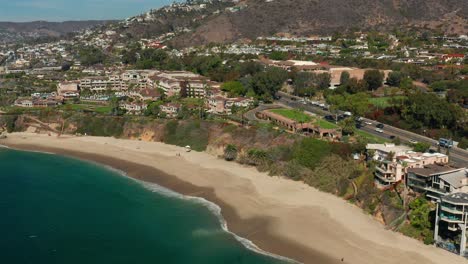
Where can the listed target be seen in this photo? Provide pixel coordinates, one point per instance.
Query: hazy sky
(60, 10)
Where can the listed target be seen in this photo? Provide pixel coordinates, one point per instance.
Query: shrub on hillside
(230, 152)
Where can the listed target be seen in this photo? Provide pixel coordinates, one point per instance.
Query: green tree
(115, 106)
(91, 55)
(303, 84)
(323, 80)
(373, 78)
(348, 126)
(266, 84)
(421, 147)
(355, 86)
(344, 78)
(153, 109)
(234, 88)
(278, 55)
(394, 78)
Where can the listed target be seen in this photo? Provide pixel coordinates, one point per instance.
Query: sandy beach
(280, 216)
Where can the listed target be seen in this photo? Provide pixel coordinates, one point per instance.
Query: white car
(412, 141)
(379, 130)
(368, 123)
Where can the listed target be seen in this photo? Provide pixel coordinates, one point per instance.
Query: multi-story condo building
(181, 82)
(140, 79)
(436, 180)
(451, 219)
(95, 83)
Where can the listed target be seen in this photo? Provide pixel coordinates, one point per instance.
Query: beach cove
(280, 216)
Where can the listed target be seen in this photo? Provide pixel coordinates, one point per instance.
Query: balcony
(417, 184)
(383, 171)
(384, 178)
(450, 218)
(452, 210)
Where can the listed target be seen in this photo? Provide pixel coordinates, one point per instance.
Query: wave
(212, 207)
(32, 151)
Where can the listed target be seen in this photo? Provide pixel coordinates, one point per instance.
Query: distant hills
(255, 18)
(222, 21)
(14, 31)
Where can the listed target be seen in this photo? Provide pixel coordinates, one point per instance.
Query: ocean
(57, 209)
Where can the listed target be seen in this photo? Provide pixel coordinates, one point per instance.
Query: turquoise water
(61, 210)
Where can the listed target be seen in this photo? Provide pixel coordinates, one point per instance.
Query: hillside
(256, 18)
(13, 31)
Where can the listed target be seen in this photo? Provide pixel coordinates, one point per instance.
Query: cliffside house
(436, 180)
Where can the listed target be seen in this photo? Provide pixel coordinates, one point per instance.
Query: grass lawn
(371, 138)
(295, 115)
(382, 102)
(101, 109)
(326, 125)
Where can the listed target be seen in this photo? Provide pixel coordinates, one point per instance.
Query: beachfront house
(394, 168)
(381, 152)
(435, 180)
(451, 222)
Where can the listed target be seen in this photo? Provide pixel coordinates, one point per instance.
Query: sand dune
(280, 216)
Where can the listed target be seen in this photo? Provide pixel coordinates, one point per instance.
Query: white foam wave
(213, 208)
(32, 151)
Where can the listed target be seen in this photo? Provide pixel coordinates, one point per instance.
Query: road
(251, 115)
(457, 156)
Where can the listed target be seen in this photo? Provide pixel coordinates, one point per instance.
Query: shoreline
(268, 211)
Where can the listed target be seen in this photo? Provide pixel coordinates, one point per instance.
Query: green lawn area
(326, 125)
(382, 102)
(371, 138)
(101, 109)
(296, 115)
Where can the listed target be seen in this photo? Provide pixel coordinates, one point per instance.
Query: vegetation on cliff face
(191, 133)
(421, 218)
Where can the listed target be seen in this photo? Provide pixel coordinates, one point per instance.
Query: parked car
(368, 123)
(347, 113)
(379, 130)
(412, 141)
(381, 126)
(392, 137)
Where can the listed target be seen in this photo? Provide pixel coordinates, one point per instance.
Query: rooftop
(388, 148)
(457, 179)
(433, 169)
(459, 198)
